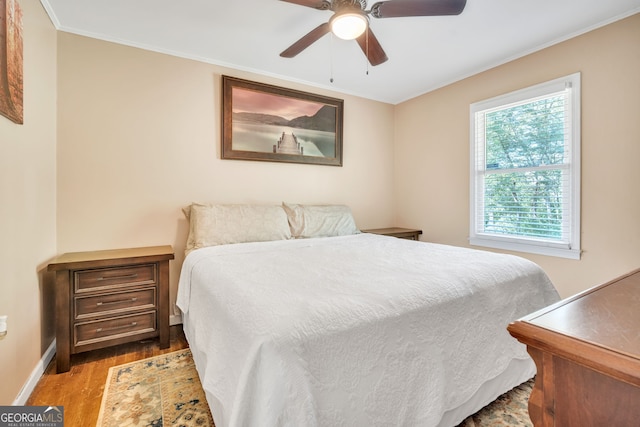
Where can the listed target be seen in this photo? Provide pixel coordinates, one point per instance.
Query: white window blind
(525, 170)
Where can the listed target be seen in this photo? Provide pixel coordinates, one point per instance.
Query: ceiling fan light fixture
(349, 25)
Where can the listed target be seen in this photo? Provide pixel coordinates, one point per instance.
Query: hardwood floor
(80, 389)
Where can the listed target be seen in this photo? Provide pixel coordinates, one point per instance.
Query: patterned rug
(165, 391)
(508, 410)
(159, 391)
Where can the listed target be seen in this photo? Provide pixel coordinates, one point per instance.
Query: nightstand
(105, 298)
(403, 233)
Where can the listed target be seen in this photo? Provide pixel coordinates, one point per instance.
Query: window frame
(477, 237)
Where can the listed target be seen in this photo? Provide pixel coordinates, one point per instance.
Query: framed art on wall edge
(11, 76)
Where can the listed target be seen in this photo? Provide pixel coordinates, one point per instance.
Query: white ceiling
(425, 53)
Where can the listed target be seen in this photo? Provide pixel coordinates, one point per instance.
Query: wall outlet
(3, 326)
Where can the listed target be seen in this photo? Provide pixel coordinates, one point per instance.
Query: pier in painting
(288, 144)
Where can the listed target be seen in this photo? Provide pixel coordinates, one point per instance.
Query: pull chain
(331, 59)
(367, 49)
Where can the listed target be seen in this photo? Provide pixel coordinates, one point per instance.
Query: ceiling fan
(350, 21)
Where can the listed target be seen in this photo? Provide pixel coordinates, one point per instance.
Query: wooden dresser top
(607, 316)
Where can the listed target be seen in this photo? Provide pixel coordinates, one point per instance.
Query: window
(525, 170)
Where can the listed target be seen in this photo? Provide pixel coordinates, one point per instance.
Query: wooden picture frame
(11, 75)
(270, 123)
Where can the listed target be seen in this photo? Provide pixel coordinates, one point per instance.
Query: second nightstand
(403, 233)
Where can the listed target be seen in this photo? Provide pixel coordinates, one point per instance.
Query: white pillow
(320, 220)
(214, 224)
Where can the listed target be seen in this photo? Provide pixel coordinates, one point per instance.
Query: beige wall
(432, 151)
(139, 138)
(27, 207)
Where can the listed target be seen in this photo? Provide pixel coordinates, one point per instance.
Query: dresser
(402, 233)
(105, 298)
(587, 353)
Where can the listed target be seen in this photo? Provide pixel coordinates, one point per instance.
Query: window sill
(524, 247)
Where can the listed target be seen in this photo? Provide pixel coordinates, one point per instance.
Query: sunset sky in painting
(249, 101)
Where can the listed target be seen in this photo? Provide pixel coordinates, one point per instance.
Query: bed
(349, 329)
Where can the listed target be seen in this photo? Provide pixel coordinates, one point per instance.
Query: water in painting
(259, 137)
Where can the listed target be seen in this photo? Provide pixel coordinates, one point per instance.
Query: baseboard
(175, 319)
(35, 376)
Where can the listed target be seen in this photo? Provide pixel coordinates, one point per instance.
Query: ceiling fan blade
(400, 8)
(316, 4)
(372, 48)
(306, 41)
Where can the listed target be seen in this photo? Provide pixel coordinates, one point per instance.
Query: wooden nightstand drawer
(114, 303)
(112, 328)
(109, 278)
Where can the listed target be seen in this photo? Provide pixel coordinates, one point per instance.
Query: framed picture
(270, 123)
(11, 92)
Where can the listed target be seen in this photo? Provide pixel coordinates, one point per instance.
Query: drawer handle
(134, 299)
(116, 327)
(127, 276)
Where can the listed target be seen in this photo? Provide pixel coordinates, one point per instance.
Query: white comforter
(352, 331)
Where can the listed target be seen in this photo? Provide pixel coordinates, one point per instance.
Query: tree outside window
(525, 170)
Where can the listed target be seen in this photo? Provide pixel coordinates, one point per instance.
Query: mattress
(360, 330)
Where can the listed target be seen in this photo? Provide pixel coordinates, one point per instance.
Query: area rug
(508, 410)
(159, 391)
(165, 391)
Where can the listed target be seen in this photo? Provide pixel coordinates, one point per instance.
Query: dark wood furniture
(403, 233)
(587, 353)
(105, 298)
